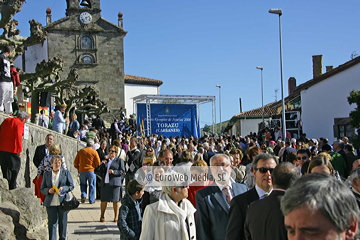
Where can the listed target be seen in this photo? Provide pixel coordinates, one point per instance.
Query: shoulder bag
(71, 204)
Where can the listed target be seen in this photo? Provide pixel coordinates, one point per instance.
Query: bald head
(356, 164)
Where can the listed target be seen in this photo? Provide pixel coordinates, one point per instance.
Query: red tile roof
(269, 109)
(141, 80)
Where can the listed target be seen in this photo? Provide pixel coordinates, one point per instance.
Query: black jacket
(266, 215)
(237, 214)
(39, 155)
(134, 160)
(5, 74)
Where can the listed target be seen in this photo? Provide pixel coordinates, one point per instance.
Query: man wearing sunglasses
(271, 221)
(302, 156)
(262, 167)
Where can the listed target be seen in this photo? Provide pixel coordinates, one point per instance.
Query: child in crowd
(130, 219)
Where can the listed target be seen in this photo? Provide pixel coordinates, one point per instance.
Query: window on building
(87, 59)
(86, 42)
(345, 131)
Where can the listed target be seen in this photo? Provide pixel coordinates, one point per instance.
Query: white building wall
(323, 102)
(33, 55)
(133, 90)
(249, 125)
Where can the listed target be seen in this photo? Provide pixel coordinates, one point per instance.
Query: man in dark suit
(262, 165)
(134, 160)
(264, 219)
(43, 150)
(212, 202)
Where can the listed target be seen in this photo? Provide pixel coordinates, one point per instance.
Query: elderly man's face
(220, 169)
(306, 224)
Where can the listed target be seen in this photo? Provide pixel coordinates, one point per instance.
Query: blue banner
(169, 120)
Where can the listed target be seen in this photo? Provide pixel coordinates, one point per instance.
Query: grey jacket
(115, 179)
(65, 181)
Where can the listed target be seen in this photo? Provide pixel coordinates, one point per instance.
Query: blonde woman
(45, 164)
(172, 217)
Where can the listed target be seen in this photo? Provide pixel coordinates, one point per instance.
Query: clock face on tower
(85, 18)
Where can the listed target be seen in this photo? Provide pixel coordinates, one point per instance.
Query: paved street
(84, 222)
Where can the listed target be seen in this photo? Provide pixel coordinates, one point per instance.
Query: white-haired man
(212, 202)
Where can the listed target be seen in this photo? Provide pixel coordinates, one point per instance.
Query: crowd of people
(260, 171)
(246, 187)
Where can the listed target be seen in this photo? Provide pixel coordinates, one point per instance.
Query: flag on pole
(142, 127)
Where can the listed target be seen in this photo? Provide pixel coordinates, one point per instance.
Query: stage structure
(171, 115)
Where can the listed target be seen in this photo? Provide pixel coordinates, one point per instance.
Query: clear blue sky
(193, 45)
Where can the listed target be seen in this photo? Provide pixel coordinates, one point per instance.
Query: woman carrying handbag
(55, 186)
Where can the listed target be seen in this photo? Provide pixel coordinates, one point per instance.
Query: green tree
(206, 128)
(354, 98)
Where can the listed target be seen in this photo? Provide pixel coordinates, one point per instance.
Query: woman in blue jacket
(55, 186)
(111, 182)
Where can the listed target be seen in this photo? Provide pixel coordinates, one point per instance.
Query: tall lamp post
(262, 94)
(278, 11)
(219, 86)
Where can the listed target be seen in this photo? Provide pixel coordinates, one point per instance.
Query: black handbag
(71, 204)
(100, 171)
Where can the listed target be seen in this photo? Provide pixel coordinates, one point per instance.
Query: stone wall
(21, 216)
(107, 70)
(37, 135)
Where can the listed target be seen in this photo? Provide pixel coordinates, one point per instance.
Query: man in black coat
(98, 123)
(263, 165)
(134, 160)
(266, 214)
(43, 150)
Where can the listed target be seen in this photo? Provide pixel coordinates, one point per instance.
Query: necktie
(265, 195)
(226, 191)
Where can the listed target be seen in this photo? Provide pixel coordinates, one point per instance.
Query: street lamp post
(262, 94)
(219, 86)
(279, 12)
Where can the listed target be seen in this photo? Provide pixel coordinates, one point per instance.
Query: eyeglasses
(183, 185)
(112, 151)
(149, 151)
(301, 158)
(264, 170)
(221, 165)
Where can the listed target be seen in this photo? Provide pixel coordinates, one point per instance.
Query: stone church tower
(93, 45)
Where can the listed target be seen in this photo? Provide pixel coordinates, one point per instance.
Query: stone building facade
(93, 45)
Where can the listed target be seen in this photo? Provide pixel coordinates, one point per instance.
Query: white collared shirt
(261, 192)
(355, 191)
(107, 172)
(230, 185)
(55, 181)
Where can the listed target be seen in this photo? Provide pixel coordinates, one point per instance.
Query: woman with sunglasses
(172, 217)
(150, 156)
(111, 182)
